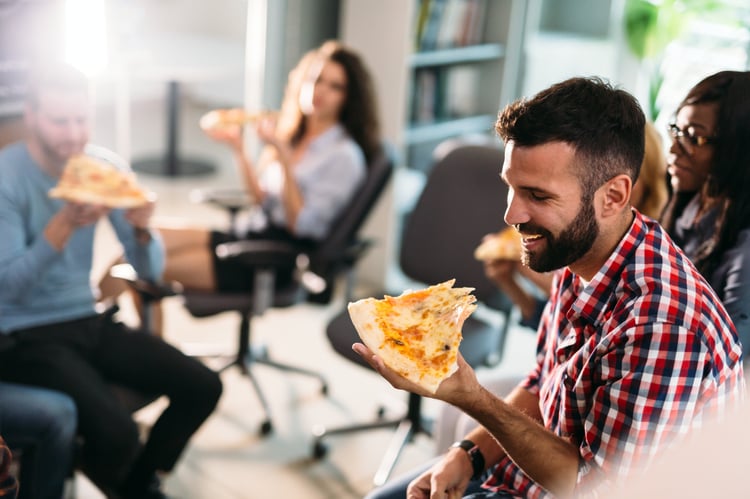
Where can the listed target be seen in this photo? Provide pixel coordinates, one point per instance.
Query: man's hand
(140, 216)
(71, 217)
(81, 215)
(447, 479)
(456, 389)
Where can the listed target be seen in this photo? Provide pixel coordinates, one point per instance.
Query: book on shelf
(473, 23)
(432, 24)
(424, 96)
(440, 93)
(451, 24)
(444, 24)
(460, 92)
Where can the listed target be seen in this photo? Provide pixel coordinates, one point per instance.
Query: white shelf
(446, 129)
(457, 55)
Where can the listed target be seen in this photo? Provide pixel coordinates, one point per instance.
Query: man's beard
(572, 243)
(56, 153)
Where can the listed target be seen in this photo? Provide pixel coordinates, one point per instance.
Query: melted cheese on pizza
(88, 180)
(230, 117)
(504, 245)
(417, 334)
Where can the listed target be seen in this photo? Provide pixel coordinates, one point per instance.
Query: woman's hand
(230, 135)
(266, 131)
(501, 272)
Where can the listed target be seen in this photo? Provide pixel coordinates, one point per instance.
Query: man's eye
(538, 197)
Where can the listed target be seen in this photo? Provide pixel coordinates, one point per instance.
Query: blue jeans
(42, 424)
(396, 488)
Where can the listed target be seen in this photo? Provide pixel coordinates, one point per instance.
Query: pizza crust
(88, 180)
(418, 333)
(504, 245)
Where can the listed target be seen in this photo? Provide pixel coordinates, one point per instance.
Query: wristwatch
(475, 457)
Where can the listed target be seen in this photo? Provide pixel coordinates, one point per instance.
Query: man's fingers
(372, 359)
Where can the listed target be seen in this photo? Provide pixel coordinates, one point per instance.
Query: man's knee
(63, 416)
(207, 389)
(114, 436)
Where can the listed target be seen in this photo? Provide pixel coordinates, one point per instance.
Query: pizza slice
(86, 179)
(417, 334)
(504, 245)
(220, 118)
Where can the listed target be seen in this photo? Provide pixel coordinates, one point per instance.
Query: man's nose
(515, 212)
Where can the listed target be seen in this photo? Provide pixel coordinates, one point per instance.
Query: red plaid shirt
(643, 353)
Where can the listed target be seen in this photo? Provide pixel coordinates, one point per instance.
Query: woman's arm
(232, 136)
(732, 284)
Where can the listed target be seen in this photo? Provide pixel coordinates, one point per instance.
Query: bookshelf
(443, 69)
(463, 66)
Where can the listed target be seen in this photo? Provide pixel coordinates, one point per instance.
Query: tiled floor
(227, 459)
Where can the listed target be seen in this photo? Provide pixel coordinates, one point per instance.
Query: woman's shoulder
(342, 146)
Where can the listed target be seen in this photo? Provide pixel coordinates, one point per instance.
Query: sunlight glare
(85, 35)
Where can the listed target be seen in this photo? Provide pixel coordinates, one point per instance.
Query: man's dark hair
(54, 76)
(605, 125)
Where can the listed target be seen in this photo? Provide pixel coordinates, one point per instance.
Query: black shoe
(152, 490)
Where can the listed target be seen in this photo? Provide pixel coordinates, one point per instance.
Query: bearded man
(634, 347)
(51, 334)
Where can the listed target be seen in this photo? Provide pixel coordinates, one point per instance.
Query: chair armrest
(149, 291)
(260, 252)
(269, 253)
(356, 249)
(232, 200)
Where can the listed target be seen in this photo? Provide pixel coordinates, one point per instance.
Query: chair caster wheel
(319, 450)
(266, 428)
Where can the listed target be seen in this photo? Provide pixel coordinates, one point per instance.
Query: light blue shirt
(38, 284)
(331, 171)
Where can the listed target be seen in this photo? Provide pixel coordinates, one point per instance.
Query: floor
(227, 458)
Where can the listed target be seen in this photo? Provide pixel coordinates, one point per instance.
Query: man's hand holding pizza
(452, 390)
(140, 218)
(402, 339)
(70, 217)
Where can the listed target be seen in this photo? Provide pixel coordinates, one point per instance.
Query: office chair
(463, 199)
(315, 274)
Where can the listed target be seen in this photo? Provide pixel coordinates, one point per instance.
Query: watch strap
(476, 458)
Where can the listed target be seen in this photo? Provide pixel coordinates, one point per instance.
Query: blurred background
(443, 69)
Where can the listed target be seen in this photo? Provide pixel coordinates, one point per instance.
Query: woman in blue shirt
(313, 163)
(709, 212)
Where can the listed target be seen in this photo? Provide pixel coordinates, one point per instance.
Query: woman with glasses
(708, 214)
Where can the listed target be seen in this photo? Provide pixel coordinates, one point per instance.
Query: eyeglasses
(687, 139)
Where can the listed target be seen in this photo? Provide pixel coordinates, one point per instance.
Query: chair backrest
(346, 228)
(462, 200)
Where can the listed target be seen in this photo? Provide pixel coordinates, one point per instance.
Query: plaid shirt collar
(588, 303)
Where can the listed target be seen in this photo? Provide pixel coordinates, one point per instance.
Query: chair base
(259, 355)
(407, 427)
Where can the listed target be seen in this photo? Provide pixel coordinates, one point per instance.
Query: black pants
(82, 357)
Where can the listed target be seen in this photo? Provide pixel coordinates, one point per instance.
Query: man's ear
(616, 195)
